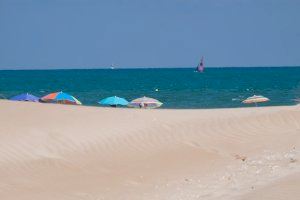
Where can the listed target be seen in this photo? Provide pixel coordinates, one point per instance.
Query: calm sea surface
(177, 88)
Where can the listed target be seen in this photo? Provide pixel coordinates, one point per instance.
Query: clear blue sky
(152, 33)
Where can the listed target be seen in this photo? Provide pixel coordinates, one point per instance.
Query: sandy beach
(61, 152)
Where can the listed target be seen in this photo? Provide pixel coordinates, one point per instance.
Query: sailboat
(200, 66)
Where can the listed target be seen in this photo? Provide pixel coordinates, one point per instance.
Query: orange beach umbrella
(60, 97)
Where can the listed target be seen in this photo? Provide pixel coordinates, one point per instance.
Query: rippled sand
(63, 152)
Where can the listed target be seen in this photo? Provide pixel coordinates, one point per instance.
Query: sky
(51, 34)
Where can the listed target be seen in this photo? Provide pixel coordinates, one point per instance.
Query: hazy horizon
(124, 67)
(64, 34)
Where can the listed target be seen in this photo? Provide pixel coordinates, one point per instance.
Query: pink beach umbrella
(145, 102)
(256, 99)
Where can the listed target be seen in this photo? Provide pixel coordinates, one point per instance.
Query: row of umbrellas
(114, 101)
(143, 102)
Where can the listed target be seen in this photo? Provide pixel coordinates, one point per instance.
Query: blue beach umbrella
(113, 101)
(25, 97)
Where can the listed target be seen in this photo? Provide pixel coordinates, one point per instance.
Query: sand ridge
(52, 151)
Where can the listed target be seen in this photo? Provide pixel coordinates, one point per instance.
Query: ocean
(176, 88)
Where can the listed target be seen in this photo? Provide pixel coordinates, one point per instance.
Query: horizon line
(164, 67)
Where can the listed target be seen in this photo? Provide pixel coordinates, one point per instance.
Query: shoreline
(160, 108)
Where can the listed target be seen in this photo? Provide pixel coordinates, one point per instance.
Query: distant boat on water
(200, 66)
(112, 66)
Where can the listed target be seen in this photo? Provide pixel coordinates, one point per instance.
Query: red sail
(200, 67)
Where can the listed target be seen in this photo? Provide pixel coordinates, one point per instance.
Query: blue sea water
(177, 88)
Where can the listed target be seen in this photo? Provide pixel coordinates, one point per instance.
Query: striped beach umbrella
(145, 102)
(256, 99)
(114, 101)
(60, 97)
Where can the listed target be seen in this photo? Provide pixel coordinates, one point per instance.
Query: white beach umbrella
(297, 100)
(256, 99)
(145, 102)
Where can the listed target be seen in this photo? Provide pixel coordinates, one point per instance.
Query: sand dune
(62, 152)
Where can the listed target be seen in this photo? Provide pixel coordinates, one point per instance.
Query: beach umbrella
(114, 101)
(25, 97)
(297, 100)
(256, 99)
(60, 97)
(145, 102)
